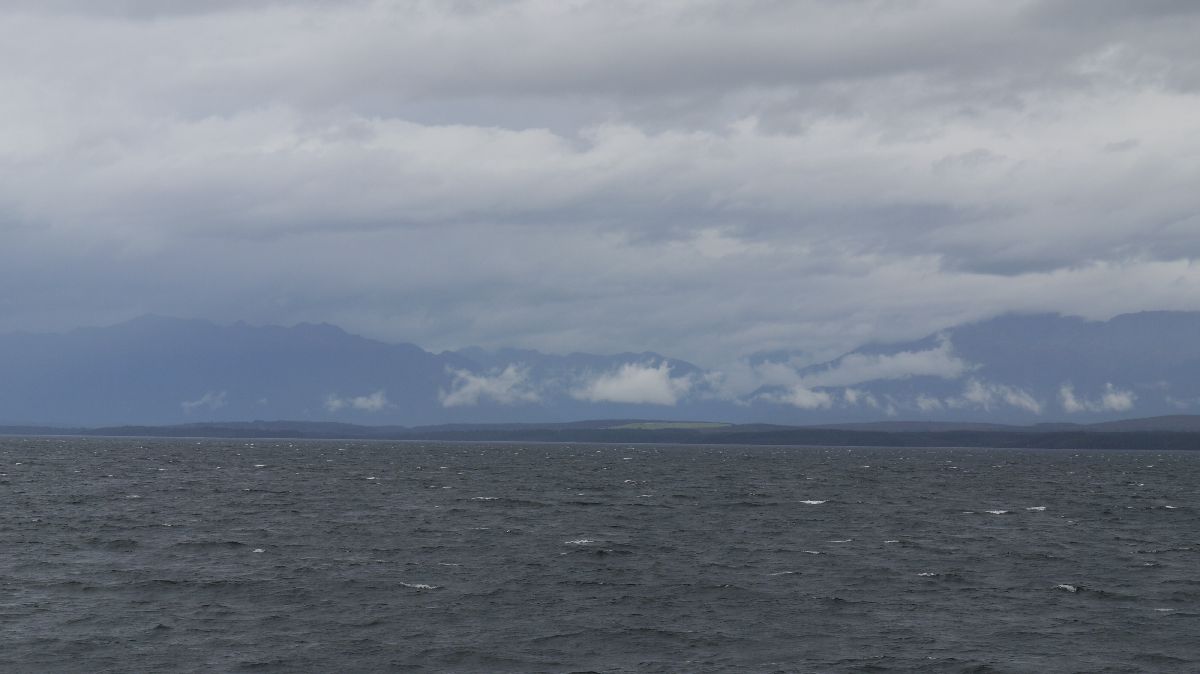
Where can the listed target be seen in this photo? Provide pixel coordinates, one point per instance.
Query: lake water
(275, 556)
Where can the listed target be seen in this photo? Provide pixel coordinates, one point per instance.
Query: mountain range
(1013, 369)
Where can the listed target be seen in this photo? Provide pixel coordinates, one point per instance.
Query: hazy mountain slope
(163, 370)
(154, 369)
(1011, 369)
(1015, 369)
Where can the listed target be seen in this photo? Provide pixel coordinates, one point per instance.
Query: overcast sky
(704, 179)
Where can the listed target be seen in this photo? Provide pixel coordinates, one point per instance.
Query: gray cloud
(211, 400)
(698, 178)
(636, 383)
(987, 395)
(1112, 399)
(805, 398)
(507, 386)
(857, 368)
(372, 402)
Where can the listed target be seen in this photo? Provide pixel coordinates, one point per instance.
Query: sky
(703, 179)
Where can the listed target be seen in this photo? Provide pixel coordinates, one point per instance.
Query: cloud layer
(373, 402)
(508, 386)
(703, 179)
(210, 401)
(1112, 399)
(856, 368)
(635, 383)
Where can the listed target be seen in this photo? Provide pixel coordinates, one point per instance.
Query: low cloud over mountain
(1022, 369)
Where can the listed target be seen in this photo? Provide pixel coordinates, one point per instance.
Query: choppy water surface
(135, 555)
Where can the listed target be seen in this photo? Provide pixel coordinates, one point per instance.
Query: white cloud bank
(211, 400)
(857, 368)
(853, 396)
(805, 391)
(805, 398)
(1112, 400)
(987, 395)
(976, 394)
(507, 387)
(367, 403)
(636, 383)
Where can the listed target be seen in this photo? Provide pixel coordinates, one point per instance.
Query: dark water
(139, 555)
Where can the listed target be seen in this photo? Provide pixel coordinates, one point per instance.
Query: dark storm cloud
(702, 178)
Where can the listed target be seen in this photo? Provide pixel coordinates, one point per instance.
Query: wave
(421, 586)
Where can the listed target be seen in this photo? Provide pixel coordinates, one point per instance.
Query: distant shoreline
(1135, 434)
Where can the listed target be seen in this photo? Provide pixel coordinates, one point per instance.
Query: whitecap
(260, 465)
(420, 586)
(1164, 610)
(891, 541)
(485, 498)
(1036, 508)
(1066, 588)
(783, 573)
(927, 574)
(579, 541)
(998, 512)
(257, 550)
(842, 541)
(814, 502)
(1170, 507)
(811, 552)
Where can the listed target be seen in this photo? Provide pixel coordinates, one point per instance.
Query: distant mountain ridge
(1016, 369)
(158, 370)
(1173, 423)
(1157, 433)
(1013, 369)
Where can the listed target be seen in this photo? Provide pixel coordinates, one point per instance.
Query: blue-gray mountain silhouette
(1072, 369)
(1011, 369)
(166, 370)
